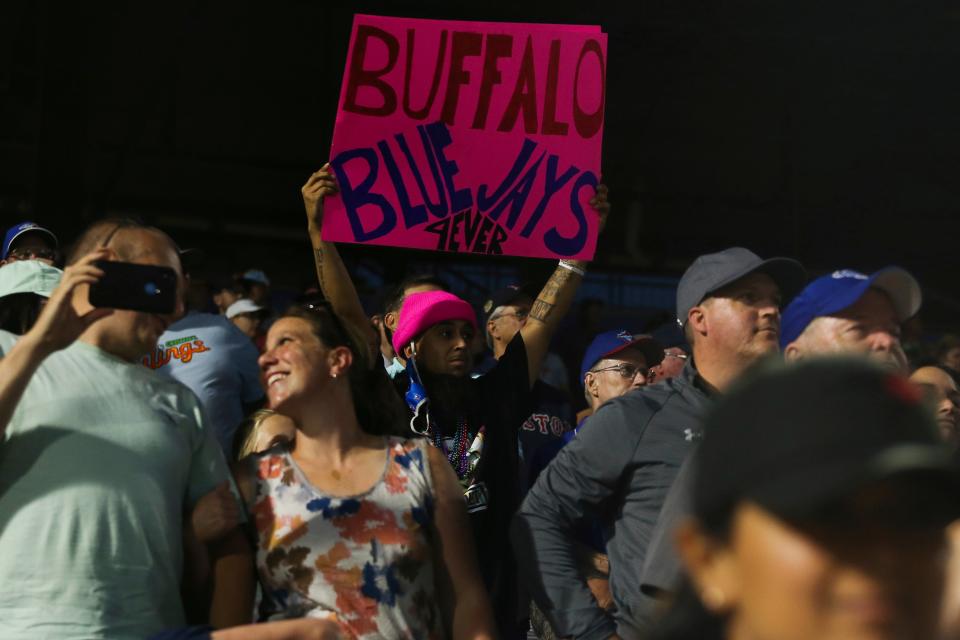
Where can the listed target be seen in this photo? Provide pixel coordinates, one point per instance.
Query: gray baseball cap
(713, 271)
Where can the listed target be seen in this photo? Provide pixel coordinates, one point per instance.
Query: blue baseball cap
(16, 231)
(836, 291)
(610, 343)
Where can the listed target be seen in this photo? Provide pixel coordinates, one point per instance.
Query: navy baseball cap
(506, 296)
(836, 291)
(713, 271)
(610, 343)
(16, 231)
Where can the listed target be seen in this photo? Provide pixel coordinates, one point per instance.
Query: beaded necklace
(458, 457)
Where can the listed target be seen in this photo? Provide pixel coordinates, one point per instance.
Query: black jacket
(618, 469)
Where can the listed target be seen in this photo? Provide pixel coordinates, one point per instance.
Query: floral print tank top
(364, 561)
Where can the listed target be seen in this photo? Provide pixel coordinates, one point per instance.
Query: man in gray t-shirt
(99, 460)
(212, 358)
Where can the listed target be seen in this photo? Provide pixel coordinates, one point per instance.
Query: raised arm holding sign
(332, 274)
(548, 310)
(467, 137)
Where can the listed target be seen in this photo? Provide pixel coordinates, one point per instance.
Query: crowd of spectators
(766, 463)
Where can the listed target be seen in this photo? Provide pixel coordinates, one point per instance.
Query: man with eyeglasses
(507, 310)
(619, 469)
(30, 241)
(551, 415)
(616, 362)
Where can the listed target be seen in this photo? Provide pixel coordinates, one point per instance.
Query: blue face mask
(416, 397)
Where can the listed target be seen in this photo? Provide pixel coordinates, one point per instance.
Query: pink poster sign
(469, 137)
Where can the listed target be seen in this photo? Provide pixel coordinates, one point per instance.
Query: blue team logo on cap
(834, 292)
(16, 231)
(848, 273)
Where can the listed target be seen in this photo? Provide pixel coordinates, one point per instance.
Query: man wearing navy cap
(616, 362)
(620, 468)
(851, 312)
(30, 241)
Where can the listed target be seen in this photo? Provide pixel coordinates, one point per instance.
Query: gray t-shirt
(97, 466)
(208, 354)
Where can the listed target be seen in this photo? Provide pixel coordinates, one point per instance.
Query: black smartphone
(138, 287)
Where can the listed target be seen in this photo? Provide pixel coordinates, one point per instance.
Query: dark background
(820, 130)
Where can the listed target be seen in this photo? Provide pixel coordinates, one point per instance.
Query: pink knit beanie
(421, 311)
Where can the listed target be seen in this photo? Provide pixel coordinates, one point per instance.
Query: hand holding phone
(137, 287)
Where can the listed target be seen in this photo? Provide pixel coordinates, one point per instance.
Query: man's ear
(391, 318)
(792, 352)
(590, 383)
(491, 327)
(408, 352)
(697, 320)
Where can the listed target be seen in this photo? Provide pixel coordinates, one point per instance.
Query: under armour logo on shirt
(692, 436)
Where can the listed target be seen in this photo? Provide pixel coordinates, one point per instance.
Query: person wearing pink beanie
(474, 422)
(421, 311)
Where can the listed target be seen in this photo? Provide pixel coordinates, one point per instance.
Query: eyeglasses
(26, 253)
(626, 371)
(519, 315)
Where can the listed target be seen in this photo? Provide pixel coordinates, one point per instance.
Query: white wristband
(572, 267)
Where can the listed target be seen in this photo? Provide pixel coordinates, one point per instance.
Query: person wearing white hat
(25, 286)
(247, 316)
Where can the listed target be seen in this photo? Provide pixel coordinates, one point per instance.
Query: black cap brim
(822, 488)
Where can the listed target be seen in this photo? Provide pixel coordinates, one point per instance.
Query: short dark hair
(110, 232)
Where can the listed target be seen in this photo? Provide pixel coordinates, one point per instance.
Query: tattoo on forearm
(540, 310)
(543, 305)
(318, 261)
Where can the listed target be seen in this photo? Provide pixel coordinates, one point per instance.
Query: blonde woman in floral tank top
(366, 531)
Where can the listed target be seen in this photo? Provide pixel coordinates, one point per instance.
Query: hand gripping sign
(470, 137)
